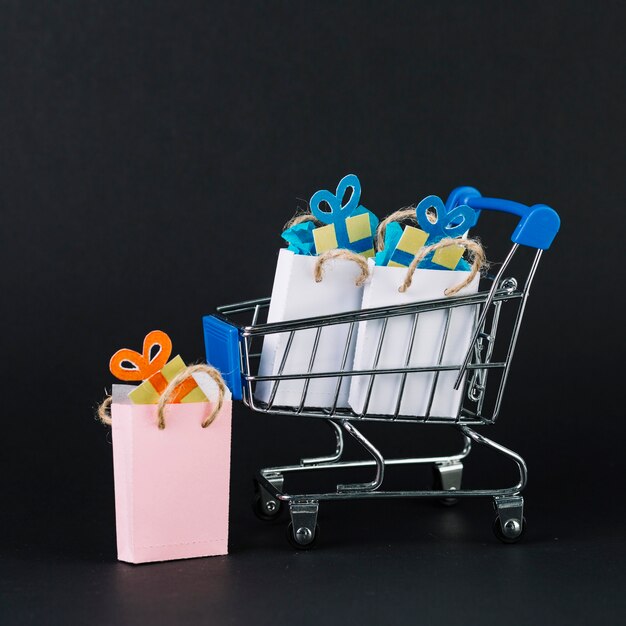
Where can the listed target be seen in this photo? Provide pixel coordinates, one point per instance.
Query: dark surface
(151, 152)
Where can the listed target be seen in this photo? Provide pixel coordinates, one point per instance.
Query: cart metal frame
(536, 229)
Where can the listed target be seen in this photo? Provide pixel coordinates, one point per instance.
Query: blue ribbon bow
(338, 213)
(452, 223)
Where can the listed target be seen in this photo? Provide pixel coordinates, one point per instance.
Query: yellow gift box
(359, 233)
(151, 389)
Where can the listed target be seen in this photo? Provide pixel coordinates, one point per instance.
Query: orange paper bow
(142, 365)
(149, 368)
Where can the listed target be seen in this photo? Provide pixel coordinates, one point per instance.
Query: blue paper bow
(451, 223)
(338, 213)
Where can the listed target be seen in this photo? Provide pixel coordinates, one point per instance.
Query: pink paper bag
(171, 485)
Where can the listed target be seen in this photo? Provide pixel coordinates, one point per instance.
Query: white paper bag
(296, 295)
(381, 289)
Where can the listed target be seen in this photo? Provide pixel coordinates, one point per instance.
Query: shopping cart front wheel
(303, 538)
(511, 531)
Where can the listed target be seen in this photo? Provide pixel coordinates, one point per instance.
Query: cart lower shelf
(303, 530)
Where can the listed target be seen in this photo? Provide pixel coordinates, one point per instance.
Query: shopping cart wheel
(512, 533)
(264, 505)
(267, 510)
(302, 538)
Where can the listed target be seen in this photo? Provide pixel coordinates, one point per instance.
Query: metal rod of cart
(234, 336)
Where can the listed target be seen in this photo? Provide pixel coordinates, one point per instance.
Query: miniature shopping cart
(233, 340)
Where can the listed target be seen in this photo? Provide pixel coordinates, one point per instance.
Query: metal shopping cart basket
(234, 334)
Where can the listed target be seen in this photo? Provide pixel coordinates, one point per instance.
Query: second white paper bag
(296, 295)
(381, 289)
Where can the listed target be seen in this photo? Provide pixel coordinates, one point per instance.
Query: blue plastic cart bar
(221, 342)
(537, 227)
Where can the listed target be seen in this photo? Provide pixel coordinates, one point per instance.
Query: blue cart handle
(537, 227)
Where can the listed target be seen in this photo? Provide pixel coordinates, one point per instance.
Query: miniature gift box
(152, 367)
(348, 224)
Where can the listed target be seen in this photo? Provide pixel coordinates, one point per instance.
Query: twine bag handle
(300, 218)
(184, 375)
(477, 257)
(104, 409)
(341, 253)
(396, 216)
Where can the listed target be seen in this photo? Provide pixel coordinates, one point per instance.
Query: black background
(151, 152)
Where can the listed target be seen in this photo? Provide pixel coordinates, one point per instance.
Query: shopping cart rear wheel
(515, 534)
(266, 511)
(265, 506)
(302, 540)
